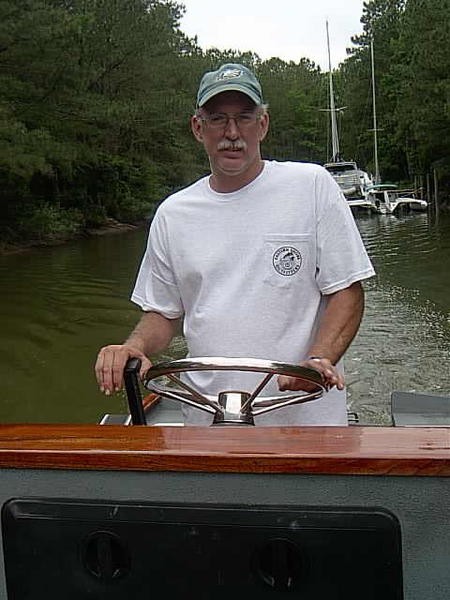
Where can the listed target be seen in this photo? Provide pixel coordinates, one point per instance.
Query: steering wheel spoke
(186, 395)
(273, 402)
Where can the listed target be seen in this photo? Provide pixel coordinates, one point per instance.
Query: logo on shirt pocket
(287, 260)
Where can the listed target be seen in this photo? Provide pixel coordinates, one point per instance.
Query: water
(60, 304)
(404, 340)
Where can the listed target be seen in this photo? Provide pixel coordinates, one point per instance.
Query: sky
(288, 29)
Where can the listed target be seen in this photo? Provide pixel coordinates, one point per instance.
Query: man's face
(233, 147)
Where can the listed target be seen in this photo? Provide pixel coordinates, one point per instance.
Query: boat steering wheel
(229, 407)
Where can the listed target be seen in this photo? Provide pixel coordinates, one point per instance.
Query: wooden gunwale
(313, 450)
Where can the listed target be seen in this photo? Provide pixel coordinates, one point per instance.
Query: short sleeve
(156, 288)
(341, 256)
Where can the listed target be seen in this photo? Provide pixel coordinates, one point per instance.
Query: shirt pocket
(287, 259)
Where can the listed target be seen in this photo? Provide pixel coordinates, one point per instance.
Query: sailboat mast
(334, 129)
(375, 127)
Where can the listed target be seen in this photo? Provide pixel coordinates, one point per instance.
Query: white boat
(352, 180)
(388, 199)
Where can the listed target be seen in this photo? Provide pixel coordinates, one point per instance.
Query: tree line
(96, 95)
(412, 62)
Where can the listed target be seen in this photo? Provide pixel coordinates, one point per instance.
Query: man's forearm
(153, 333)
(339, 323)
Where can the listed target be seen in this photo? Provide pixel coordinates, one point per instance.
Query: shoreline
(110, 227)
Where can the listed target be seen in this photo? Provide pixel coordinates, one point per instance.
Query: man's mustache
(232, 145)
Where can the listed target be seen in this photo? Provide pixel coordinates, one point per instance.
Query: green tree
(423, 94)
(382, 22)
(295, 93)
(90, 108)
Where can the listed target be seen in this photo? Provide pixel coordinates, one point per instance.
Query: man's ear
(196, 126)
(263, 126)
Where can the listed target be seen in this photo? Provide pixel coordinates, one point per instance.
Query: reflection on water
(59, 305)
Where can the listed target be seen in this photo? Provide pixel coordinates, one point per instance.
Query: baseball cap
(229, 77)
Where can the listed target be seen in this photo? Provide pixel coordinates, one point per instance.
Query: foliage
(90, 113)
(295, 93)
(423, 110)
(96, 95)
(412, 64)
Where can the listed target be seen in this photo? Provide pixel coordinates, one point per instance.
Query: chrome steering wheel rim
(211, 404)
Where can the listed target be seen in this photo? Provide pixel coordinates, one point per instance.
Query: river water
(60, 304)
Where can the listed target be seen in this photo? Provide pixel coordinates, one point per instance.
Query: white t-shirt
(250, 271)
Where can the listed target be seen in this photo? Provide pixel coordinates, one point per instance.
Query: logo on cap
(229, 74)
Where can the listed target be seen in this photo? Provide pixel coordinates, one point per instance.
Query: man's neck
(222, 183)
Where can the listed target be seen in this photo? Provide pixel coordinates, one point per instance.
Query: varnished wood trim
(321, 450)
(150, 401)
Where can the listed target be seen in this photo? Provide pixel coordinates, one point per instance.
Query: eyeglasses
(221, 120)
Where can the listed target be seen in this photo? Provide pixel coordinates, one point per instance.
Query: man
(261, 259)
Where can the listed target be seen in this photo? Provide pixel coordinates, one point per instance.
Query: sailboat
(352, 180)
(386, 197)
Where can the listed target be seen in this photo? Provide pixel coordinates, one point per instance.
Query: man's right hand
(111, 361)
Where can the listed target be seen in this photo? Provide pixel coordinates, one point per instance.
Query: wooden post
(435, 181)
